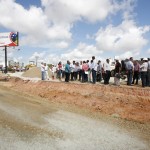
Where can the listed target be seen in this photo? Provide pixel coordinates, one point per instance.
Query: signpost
(5, 59)
(8, 39)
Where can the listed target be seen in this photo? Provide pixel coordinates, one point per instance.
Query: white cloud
(129, 54)
(69, 11)
(37, 55)
(148, 51)
(32, 23)
(124, 37)
(51, 25)
(128, 9)
(82, 52)
(62, 45)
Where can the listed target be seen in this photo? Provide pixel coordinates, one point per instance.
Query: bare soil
(57, 115)
(131, 103)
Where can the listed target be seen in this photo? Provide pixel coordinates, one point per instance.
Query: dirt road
(32, 123)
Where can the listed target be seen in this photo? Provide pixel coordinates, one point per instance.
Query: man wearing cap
(144, 68)
(107, 72)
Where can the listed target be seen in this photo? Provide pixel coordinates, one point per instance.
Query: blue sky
(57, 30)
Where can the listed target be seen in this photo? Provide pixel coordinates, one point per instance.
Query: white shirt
(106, 66)
(46, 68)
(149, 65)
(144, 67)
(99, 67)
(42, 67)
(72, 66)
(53, 69)
(93, 65)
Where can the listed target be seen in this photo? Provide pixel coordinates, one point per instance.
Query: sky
(61, 30)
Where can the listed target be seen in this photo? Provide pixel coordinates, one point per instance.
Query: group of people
(136, 70)
(92, 71)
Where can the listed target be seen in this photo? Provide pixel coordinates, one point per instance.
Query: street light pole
(5, 59)
(36, 57)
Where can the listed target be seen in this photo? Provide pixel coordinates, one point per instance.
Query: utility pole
(36, 58)
(6, 59)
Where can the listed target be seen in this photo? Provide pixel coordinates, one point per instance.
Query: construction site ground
(51, 115)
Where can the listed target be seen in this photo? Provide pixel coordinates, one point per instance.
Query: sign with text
(9, 39)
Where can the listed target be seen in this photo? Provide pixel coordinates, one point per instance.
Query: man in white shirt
(72, 66)
(42, 71)
(46, 71)
(107, 72)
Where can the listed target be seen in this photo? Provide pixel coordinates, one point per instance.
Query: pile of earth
(131, 103)
(33, 72)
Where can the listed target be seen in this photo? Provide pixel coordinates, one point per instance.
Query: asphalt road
(32, 123)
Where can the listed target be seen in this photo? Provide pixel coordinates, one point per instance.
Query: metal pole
(5, 59)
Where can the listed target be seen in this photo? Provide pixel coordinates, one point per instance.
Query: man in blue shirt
(67, 71)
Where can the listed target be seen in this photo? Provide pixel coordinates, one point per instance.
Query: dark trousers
(129, 77)
(59, 74)
(94, 76)
(107, 77)
(84, 77)
(148, 78)
(135, 77)
(72, 76)
(67, 77)
(75, 75)
(80, 75)
(63, 74)
(99, 77)
(43, 75)
(143, 78)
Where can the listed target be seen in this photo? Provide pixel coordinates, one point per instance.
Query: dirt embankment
(125, 102)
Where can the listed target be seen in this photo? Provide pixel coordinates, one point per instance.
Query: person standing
(42, 71)
(117, 73)
(136, 72)
(72, 66)
(85, 68)
(107, 72)
(59, 70)
(130, 69)
(90, 72)
(99, 71)
(46, 71)
(53, 71)
(80, 71)
(67, 71)
(76, 71)
(94, 69)
(144, 68)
